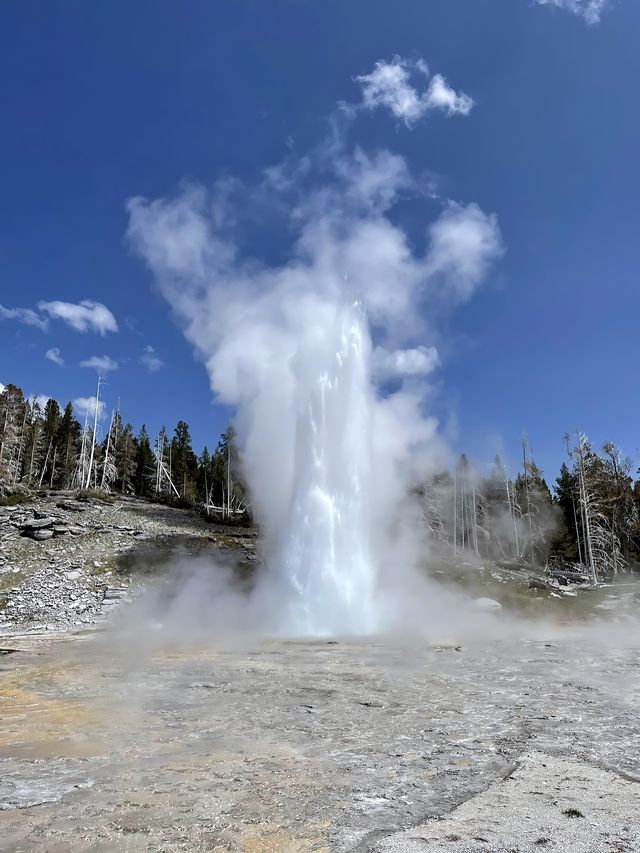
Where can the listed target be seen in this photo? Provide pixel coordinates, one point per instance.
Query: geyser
(331, 453)
(326, 553)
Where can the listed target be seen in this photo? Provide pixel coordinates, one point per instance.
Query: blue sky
(103, 102)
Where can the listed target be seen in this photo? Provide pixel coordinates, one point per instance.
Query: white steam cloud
(329, 457)
(418, 361)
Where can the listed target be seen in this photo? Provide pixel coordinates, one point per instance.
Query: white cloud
(86, 407)
(418, 361)
(101, 363)
(53, 355)
(84, 316)
(590, 10)
(150, 360)
(2, 388)
(23, 315)
(389, 85)
(440, 95)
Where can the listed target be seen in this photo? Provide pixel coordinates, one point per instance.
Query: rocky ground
(64, 563)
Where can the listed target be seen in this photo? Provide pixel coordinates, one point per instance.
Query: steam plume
(329, 457)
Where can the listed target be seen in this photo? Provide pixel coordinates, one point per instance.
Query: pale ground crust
(316, 746)
(547, 803)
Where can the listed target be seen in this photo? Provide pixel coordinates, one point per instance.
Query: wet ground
(318, 746)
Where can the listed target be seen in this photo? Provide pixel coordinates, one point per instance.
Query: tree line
(592, 518)
(50, 448)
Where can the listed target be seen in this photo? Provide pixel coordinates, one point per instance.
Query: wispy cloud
(389, 85)
(86, 407)
(590, 10)
(23, 315)
(85, 316)
(150, 360)
(440, 96)
(53, 355)
(101, 363)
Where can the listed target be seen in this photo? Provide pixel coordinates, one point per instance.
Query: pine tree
(35, 448)
(14, 416)
(616, 487)
(634, 532)
(539, 516)
(68, 442)
(50, 426)
(184, 463)
(126, 451)
(144, 464)
(566, 542)
(204, 476)
(228, 488)
(14, 413)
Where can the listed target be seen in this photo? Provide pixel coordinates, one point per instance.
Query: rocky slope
(64, 563)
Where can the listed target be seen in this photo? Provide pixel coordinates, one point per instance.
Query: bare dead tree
(82, 464)
(94, 434)
(163, 477)
(431, 512)
(525, 468)
(109, 470)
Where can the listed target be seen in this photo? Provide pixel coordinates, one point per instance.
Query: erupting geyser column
(326, 556)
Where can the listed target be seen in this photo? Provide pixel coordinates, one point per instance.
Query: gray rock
(40, 535)
(38, 523)
(487, 604)
(72, 506)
